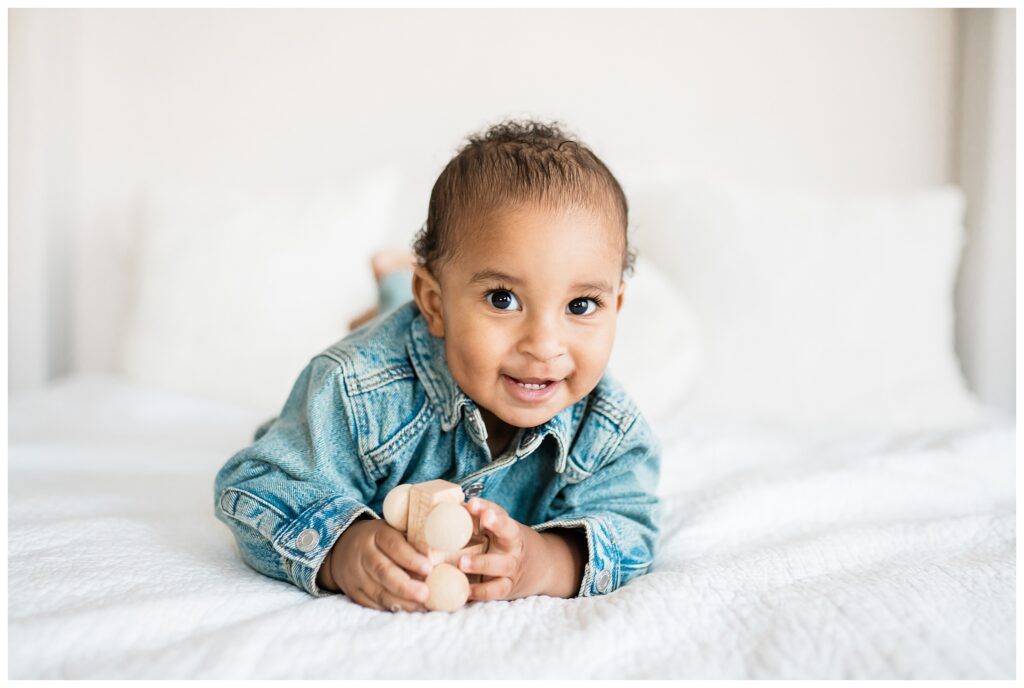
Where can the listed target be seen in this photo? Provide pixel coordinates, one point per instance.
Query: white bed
(784, 555)
(838, 504)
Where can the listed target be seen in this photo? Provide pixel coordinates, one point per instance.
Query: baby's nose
(543, 340)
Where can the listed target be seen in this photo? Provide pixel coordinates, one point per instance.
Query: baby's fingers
(376, 597)
(489, 564)
(494, 589)
(394, 545)
(496, 520)
(395, 583)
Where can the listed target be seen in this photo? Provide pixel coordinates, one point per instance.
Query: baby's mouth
(531, 382)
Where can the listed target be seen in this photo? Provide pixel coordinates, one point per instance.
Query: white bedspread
(782, 556)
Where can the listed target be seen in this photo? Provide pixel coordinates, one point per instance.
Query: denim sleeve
(619, 511)
(289, 496)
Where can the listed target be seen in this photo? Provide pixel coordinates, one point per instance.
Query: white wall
(42, 92)
(986, 294)
(854, 99)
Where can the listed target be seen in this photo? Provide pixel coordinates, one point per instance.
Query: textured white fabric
(816, 310)
(784, 555)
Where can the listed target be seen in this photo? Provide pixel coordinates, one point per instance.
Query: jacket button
(474, 490)
(604, 581)
(307, 540)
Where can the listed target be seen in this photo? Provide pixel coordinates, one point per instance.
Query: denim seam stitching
(616, 413)
(616, 550)
(608, 456)
(642, 565)
(290, 530)
(426, 375)
(608, 448)
(249, 495)
(400, 439)
(344, 526)
(381, 378)
(336, 354)
(589, 573)
(342, 379)
(294, 566)
(248, 525)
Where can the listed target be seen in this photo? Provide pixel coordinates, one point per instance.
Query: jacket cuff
(602, 573)
(308, 539)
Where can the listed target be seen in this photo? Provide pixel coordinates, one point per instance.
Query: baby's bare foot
(390, 260)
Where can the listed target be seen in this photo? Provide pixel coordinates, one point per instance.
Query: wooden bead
(449, 527)
(422, 499)
(396, 507)
(449, 589)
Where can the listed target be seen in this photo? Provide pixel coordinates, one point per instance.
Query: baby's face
(527, 309)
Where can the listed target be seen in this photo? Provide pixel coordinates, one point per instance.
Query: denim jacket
(380, 408)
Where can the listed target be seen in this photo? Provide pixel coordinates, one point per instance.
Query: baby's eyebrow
(593, 286)
(489, 274)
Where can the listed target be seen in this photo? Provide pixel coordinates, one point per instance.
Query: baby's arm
(289, 496)
(615, 511)
(566, 561)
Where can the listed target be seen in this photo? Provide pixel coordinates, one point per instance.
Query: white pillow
(657, 344)
(833, 312)
(236, 290)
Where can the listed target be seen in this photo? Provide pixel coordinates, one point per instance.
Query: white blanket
(782, 556)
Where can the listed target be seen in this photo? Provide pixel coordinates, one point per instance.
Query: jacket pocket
(389, 409)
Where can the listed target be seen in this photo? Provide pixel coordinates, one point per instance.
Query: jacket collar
(430, 361)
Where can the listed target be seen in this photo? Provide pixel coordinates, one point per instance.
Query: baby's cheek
(588, 382)
(476, 357)
(464, 368)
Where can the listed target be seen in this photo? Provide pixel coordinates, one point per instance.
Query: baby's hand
(371, 563)
(512, 567)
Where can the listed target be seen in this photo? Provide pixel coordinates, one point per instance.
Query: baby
(491, 376)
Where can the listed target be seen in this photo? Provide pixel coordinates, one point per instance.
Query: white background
(106, 105)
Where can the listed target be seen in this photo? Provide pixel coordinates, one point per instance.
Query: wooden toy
(436, 523)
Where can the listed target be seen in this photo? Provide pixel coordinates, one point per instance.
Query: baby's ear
(618, 298)
(427, 292)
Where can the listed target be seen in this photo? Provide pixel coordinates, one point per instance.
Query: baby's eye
(503, 300)
(584, 306)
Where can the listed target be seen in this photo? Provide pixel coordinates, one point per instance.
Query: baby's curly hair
(510, 164)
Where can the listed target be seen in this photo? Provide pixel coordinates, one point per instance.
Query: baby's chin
(530, 418)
